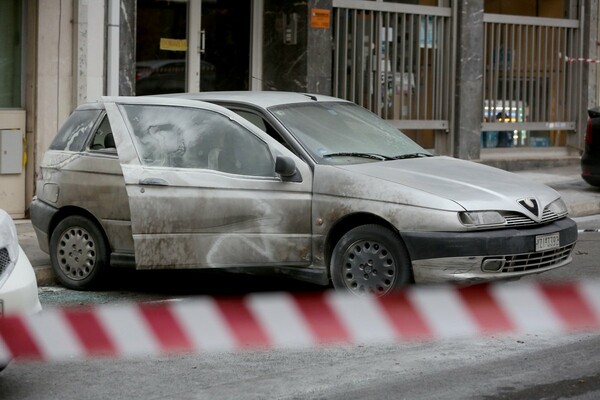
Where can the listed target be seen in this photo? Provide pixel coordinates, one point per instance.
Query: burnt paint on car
(174, 217)
(104, 196)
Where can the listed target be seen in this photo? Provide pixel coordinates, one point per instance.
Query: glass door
(196, 45)
(11, 54)
(225, 58)
(161, 47)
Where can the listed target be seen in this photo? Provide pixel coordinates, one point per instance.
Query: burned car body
(309, 185)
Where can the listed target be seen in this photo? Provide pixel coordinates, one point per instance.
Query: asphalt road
(542, 366)
(518, 367)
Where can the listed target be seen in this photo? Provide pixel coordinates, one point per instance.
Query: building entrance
(226, 55)
(193, 45)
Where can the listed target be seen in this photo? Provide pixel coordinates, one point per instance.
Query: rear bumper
(590, 169)
(41, 215)
(487, 255)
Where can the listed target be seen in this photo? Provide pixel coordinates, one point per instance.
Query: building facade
(476, 79)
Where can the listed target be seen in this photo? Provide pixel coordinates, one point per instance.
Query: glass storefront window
(11, 53)
(161, 46)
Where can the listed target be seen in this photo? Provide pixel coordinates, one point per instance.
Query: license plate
(547, 242)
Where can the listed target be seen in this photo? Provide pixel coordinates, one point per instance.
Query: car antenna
(310, 96)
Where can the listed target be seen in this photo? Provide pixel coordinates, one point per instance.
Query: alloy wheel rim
(369, 268)
(76, 253)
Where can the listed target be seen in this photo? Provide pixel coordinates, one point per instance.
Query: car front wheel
(78, 252)
(370, 259)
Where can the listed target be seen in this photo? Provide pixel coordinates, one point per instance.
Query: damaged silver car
(307, 185)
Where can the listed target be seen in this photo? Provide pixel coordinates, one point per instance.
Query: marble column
(319, 51)
(469, 79)
(127, 35)
(589, 72)
(296, 56)
(284, 51)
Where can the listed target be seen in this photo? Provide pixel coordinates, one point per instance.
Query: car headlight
(558, 207)
(481, 218)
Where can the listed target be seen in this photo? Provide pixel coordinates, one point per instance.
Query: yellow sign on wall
(173, 44)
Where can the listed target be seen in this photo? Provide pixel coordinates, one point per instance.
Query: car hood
(473, 186)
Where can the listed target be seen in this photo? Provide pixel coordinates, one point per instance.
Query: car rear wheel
(78, 252)
(370, 259)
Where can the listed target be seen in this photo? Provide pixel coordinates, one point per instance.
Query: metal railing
(395, 60)
(528, 84)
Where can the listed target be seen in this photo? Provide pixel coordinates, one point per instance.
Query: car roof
(95, 105)
(264, 99)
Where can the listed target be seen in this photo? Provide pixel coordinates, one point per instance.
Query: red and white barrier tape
(578, 59)
(299, 321)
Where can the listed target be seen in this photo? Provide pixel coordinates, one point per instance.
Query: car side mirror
(286, 168)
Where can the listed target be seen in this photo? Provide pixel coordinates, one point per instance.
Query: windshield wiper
(372, 156)
(412, 155)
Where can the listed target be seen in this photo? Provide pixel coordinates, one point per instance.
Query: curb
(583, 210)
(44, 275)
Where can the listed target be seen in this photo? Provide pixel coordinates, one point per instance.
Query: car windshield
(344, 133)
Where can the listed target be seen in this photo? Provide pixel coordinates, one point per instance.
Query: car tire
(370, 259)
(78, 253)
(592, 180)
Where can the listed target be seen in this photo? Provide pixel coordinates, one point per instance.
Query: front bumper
(460, 256)
(19, 294)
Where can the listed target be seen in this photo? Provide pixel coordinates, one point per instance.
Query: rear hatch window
(74, 133)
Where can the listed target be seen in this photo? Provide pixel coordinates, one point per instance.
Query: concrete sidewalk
(581, 199)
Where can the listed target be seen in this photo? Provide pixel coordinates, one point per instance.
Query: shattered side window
(74, 133)
(181, 137)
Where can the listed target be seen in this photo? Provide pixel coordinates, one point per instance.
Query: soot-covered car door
(202, 187)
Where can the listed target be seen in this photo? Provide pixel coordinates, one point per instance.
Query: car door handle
(154, 182)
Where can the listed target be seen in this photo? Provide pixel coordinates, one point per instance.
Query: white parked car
(18, 286)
